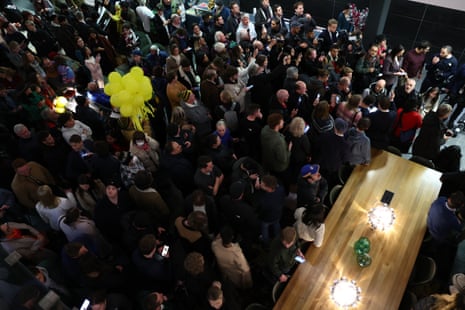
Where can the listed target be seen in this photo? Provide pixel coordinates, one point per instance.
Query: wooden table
(393, 252)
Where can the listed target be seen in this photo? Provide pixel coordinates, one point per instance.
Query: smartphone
(306, 128)
(85, 304)
(299, 259)
(387, 197)
(249, 87)
(165, 250)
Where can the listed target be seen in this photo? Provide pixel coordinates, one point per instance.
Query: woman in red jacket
(407, 122)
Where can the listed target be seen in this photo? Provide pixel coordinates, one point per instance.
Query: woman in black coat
(433, 133)
(301, 150)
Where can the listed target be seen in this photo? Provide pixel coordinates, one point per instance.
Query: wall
(408, 22)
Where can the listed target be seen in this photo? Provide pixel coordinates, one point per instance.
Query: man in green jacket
(275, 152)
(283, 252)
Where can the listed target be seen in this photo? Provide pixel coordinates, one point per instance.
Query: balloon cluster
(129, 93)
(358, 17)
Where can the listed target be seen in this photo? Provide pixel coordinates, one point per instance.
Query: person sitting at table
(443, 223)
(311, 186)
(282, 254)
(309, 223)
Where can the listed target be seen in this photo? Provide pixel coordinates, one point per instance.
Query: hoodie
(359, 146)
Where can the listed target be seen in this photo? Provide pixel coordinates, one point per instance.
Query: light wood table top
(393, 252)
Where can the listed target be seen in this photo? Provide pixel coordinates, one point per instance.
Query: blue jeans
(266, 230)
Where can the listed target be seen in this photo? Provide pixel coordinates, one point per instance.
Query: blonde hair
(444, 109)
(297, 127)
(178, 116)
(47, 197)
(225, 96)
(447, 302)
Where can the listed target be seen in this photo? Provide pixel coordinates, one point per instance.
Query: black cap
(236, 190)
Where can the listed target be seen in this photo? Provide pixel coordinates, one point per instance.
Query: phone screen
(299, 259)
(165, 250)
(85, 304)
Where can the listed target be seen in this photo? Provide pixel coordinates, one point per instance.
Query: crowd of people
(226, 186)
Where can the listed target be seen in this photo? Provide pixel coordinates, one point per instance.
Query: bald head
(381, 82)
(282, 95)
(410, 85)
(300, 87)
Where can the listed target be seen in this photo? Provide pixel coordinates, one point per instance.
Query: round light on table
(381, 217)
(345, 293)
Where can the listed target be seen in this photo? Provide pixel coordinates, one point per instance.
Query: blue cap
(307, 170)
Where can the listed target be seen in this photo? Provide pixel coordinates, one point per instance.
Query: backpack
(230, 117)
(130, 165)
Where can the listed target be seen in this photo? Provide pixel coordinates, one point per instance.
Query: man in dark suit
(332, 151)
(330, 36)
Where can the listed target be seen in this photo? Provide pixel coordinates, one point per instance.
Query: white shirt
(79, 128)
(145, 15)
(308, 232)
(52, 216)
(250, 27)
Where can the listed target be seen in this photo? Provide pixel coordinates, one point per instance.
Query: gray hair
(292, 73)
(18, 128)
(218, 35)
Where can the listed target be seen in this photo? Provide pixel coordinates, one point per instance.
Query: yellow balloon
(138, 101)
(115, 100)
(130, 83)
(60, 101)
(147, 88)
(108, 89)
(146, 80)
(114, 77)
(139, 80)
(126, 110)
(147, 94)
(136, 71)
(126, 97)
